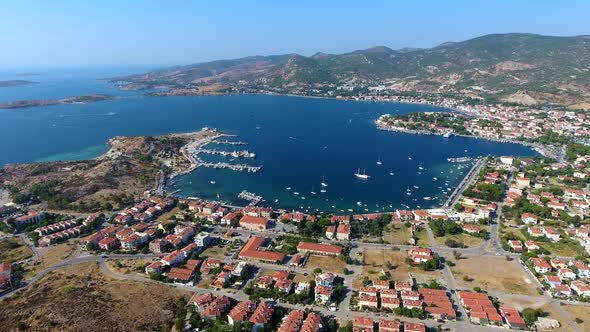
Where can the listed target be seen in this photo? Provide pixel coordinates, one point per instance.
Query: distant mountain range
(514, 67)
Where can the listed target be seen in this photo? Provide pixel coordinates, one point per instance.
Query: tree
(317, 270)
(530, 315)
(346, 328)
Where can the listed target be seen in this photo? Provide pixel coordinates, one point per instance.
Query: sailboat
(379, 161)
(313, 191)
(363, 176)
(324, 184)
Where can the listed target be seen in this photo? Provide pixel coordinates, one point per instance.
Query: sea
(299, 142)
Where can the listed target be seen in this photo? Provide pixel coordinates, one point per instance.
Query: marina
(251, 197)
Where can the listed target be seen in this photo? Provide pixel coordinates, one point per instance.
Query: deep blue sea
(300, 142)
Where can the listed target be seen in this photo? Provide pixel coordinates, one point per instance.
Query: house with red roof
(254, 223)
(540, 265)
(389, 325)
(343, 232)
(319, 248)
(529, 218)
(252, 251)
(512, 317)
(363, 324)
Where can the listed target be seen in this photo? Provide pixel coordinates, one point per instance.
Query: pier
(231, 142)
(460, 159)
(235, 154)
(233, 167)
(464, 183)
(253, 198)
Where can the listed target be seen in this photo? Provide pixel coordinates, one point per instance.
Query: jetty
(233, 167)
(253, 198)
(465, 182)
(231, 142)
(460, 159)
(235, 154)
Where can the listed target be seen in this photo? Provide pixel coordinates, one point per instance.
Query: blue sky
(76, 33)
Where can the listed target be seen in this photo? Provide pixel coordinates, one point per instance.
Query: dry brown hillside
(81, 298)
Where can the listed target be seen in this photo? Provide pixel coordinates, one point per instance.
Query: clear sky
(131, 32)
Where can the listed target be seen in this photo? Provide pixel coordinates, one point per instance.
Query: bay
(299, 143)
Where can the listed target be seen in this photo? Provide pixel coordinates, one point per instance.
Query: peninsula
(83, 99)
(133, 165)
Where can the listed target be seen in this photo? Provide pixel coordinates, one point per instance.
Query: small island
(13, 83)
(83, 99)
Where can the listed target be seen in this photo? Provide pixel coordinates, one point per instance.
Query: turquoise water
(298, 141)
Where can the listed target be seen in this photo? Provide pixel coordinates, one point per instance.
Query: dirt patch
(215, 252)
(326, 263)
(13, 250)
(396, 233)
(553, 314)
(81, 298)
(52, 255)
(467, 240)
(377, 261)
(492, 273)
(128, 266)
(580, 312)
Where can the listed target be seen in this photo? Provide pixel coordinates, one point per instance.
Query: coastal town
(263, 268)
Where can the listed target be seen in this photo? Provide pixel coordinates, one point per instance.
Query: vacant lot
(215, 252)
(81, 298)
(422, 238)
(50, 256)
(492, 273)
(13, 250)
(553, 314)
(467, 240)
(580, 312)
(392, 262)
(168, 215)
(326, 263)
(396, 233)
(128, 266)
(565, 247)
(513, 231)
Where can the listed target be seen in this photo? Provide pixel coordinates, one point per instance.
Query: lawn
(326, 263)
(466, 239)
(396, 233)
(13, 250)
(493, 273)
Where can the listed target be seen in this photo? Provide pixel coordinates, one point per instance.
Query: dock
(235, 154)
(233, 167)
(464, 183)
(253, 198)
(231, 142)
